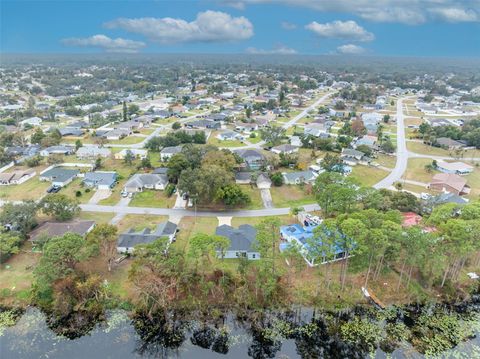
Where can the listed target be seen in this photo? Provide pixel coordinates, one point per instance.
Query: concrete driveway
(266, 198)
(99, 195)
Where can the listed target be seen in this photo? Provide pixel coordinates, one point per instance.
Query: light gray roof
(250, 155)
(171, 150)
(131, 238)
(59, 174)
(241, 239)
(146, 179)
(305, 176)
(100, 178)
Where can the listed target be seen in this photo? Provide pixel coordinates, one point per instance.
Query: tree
(104, 236)
(145, 163)
(332, 163)
(20, 217)
(9, 244)
(232, 195)
(386, 118)
(129, 158)
(365, 149)
(267, 241)
(335, 193)
(176, 125)
(133, 109)
(277, 179)
(58, 205)
(37, 136)
(78, 144)
(176, 164)
(387, 146)
(248, 112)
(124, 111)
(272, 135)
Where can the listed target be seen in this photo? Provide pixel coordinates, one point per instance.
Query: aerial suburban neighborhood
(268, 203)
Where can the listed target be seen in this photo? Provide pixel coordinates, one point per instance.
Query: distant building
(141, 181)
(100, 180)
(59, 176)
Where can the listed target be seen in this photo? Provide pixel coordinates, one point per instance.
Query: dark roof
(56, 229)
(59, 174)
(131, 238)
(160, 171)
(241, 239)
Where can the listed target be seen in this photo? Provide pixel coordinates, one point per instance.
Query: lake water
(118, 338)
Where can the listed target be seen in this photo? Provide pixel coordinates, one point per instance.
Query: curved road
(402, 153)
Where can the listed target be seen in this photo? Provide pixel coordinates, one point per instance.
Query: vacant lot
(71, 189)
(255, 197)
(152, 198)
(416, 170)
(98, 217)
(129, 140)
(139, 222)
(368, 176)
(188, 226)
(291, 196)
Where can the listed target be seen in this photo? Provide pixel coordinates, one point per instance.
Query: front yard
(291, 196)
(152, 198)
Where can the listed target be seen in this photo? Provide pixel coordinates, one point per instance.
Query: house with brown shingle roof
(448, 182)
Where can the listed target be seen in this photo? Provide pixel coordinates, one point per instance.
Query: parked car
(53, 189)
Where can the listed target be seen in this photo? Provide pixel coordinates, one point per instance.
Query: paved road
(187, 212)
(402, 153)
(304, 113)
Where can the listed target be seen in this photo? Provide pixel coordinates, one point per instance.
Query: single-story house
(71, 131)
(140, 181)
(299, 177)
(59, 176)
(366, 140)
(243, 177)
(285, 149)
(131, 125)
(246, 127)
(203, 124)
(117, 134)
(136, 152)
(458, 168)
(32, 121)
(316, 130)
(253, 159)
(353, 157)
(160, 171)
(443, 198)
(58, 229)
(230, 136)
(57, 150)
(100, 180)
(167, 152)
(93, 152)
(16, 177)
(128, 240)
(448, 182)
(242, 241)
(449, 143)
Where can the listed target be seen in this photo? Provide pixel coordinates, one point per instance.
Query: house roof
(131, 238)
(285, 148)
(293, 176)
(452, 180)
(454, 166)
(100, 178)
(6, 177)
(93, 151)
(241, 238)
(55, 229)
(59, 174)
(444, 141)
(171, 150)
(146, 179)
(160, 171)
(251, 155)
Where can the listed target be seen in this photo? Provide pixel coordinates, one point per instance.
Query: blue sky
(348, 27)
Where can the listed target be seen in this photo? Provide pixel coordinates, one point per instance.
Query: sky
(447, 28)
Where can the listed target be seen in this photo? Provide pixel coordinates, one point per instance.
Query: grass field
(32, 189)
(139, 222)
(152, 198)
(368, 176)
(386, 161)
(422, 148)
(290, 196)
(129, 140)
(98, 217)
(253, 221)
(188, 226)
(255, 197)
(74, 186)
(416, 170)
(216, 142)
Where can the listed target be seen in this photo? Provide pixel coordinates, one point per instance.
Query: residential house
(299, 177)
(366, 140)
(246, 127)
(285, 149)
(93, 152)
(16, 177)
(203, 124)
(100, 180)
(296, 141)
(254, 160)
(458, 168)
(129, 240)
(141, 181)
(58, 229)
(71, 131)
(32, 121)
(448, 182)
(116, 134)
(316, 130)
(167, 152)
(242, 241)
(59, 176)
(243, 177)
(449, 143)
(230, 136)
(57, 150)
(136, 152)
(353, 157)
(160, 171)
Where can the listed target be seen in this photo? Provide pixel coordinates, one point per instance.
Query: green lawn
(386, 161)
(367, 176)
(74, 186)
(290, 196)
(152, 198)
(216, 142)
(255, 197)
(416, 170)
(32, 189)
(139, 222)
(422, 148)
(253, 221)
(188, 226)
(98, 217)
(129, 140)
(256, 139)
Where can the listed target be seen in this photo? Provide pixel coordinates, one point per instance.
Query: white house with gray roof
(167, 152)
(128, 240)
(299, 177)
(242, 241)
(141, 181)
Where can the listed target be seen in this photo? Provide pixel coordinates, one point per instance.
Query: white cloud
(350, 49)
(341, 30)
(238, 5)
(277, 50)
(106, 43)
(456, 14)
(209, 26)
(288, 25)
(411, 12)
